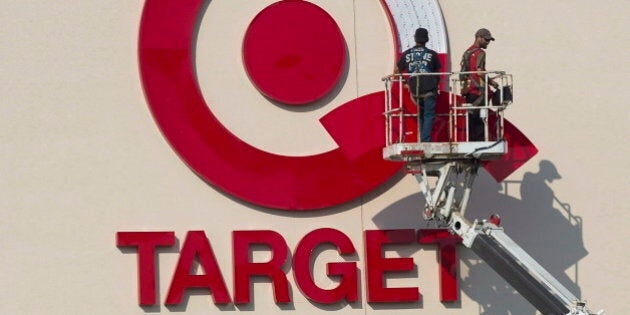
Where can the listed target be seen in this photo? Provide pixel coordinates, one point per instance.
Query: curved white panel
(408, 15)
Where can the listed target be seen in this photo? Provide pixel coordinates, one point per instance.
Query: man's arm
(481, 66)
(437, 63)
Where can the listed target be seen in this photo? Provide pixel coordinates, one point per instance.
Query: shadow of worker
(539, 222)
(555, 240)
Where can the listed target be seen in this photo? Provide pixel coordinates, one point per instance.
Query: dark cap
(422, 35)
(485, 33)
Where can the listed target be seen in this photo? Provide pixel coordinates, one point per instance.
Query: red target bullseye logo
(283, 182)
(294, 53)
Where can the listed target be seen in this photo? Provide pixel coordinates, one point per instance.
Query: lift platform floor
(410, 151)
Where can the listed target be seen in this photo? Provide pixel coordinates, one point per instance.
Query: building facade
(86, 156)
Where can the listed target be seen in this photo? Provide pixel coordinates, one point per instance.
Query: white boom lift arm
(446, 171)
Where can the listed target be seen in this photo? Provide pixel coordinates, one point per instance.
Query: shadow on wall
(540, 222)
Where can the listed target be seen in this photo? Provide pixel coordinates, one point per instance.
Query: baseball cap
(422, 35)
(485, 33)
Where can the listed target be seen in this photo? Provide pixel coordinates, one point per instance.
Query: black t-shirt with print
(420, 59)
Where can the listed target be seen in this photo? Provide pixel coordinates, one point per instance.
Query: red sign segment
(447, 258)
(520, 150)
(294, 52)
(347, 271)
(357, 126)
(244, 269)
(146, 244)
(197, 247)
(376, 266)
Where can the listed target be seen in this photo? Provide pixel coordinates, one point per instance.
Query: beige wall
(81, 158)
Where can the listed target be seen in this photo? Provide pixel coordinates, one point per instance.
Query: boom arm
(488, 240)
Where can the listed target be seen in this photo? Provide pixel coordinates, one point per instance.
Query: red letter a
(197, 245)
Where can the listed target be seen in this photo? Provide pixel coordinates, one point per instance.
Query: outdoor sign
(294, 66)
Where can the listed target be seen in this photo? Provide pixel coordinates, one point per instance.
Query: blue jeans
(426, 116)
